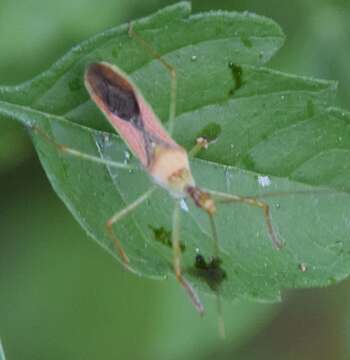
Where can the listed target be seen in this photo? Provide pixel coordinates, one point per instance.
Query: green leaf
(267, 123)
(214, 38)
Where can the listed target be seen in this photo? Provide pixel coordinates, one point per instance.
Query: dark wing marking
(116, 93)
(120, 102)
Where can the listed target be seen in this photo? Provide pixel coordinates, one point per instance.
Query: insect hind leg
(255, 202)
(177, 261)
(119, 215)
(171, 70)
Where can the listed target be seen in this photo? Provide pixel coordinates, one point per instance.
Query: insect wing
(127, 111)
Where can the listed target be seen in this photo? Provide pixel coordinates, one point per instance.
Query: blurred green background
(63, 297)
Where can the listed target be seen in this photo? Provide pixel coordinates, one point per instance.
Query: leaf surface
(264, 124)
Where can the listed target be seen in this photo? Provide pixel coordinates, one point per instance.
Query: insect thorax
(170, 169)
(202, 199)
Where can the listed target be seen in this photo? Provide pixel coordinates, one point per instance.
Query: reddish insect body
(165, 161)
(136, 123)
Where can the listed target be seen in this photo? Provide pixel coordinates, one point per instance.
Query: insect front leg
(225, 198)
(119, 215)
(76, 153)
(171, 70)
(175, 238)
(201, 143)
(215, 236)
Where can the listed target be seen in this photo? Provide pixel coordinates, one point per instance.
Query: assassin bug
(166, 162)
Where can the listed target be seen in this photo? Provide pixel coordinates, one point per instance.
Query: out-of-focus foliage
(2, 353)
(15, 146)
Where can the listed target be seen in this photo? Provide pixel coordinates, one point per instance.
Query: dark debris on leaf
(164, 237)
(237, 77)
(210, 132)
(211, 272)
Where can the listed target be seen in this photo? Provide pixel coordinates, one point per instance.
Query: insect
(166, 162)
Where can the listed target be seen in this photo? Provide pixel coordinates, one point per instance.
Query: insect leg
(177, 261)
(215, 235)
(76, 153)
(255, 202)
(201, 143)
(120, 215)
(221, 323)
(171, 70)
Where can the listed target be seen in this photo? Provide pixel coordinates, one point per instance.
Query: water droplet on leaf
(264, 181)
(126, 157)
(302, 267)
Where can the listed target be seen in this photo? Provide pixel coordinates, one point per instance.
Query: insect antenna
(170, 68)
